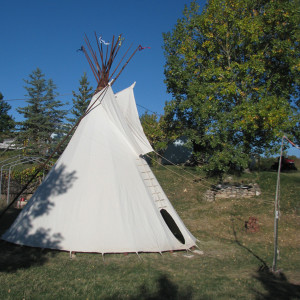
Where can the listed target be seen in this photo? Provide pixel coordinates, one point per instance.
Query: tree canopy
(7, 123)
(81, 99)
(157, 132)
(233, 72)
(43, 116)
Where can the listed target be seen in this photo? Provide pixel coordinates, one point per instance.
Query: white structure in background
(177, 152)
(9, 144)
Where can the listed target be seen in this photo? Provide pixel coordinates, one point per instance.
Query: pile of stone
(226, 190)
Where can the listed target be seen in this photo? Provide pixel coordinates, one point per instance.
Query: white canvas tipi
(101, 196)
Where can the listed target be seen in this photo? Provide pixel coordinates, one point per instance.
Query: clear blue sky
(47, 33)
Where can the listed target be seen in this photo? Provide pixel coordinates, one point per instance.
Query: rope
(147, 109)
(270, 202)
(196, 177)
(188, 179)
(291, 142)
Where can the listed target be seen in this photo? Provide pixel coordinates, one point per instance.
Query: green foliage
(23, 176)
(7, 123)
(81, 99)
(296, 131)
(156, 133)
(43, 117)
(233, 71)
(153, 130)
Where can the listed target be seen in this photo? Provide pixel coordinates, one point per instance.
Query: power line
(22, 99)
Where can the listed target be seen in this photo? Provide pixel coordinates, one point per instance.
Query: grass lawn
(234, 264)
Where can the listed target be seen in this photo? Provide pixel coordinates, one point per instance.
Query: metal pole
(8, 184)
(13, 164)
(10, 158)
(277, 211)
(1, 183)
(22, 160)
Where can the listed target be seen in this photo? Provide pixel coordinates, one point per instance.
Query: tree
(81, 99)
(54, 116)
(232, 71)
(296, 131)
(7, 123)
(42, 116)
(156, 132)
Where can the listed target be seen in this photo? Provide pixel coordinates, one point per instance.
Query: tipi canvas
(101, 196)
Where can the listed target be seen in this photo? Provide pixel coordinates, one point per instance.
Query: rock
(225, 191)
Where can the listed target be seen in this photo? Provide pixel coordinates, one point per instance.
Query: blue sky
(47, 33)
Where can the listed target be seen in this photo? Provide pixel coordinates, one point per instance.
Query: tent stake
(138, 256)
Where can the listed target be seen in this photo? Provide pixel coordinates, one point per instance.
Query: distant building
(177, 152)
(9, 144)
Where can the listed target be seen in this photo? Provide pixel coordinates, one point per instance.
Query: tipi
(101, 196)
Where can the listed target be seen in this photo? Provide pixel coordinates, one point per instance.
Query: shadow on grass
(275, 284)
(264, 264)
(19, 226)
(165, 290)
(14, 257)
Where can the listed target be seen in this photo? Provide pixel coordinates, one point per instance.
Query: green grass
(234, 264)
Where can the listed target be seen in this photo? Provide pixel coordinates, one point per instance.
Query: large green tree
(43, 116)
(157, 133)
(233, 71)
(7, 123)
(81, 99)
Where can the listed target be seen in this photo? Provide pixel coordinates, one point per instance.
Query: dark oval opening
(172, 226)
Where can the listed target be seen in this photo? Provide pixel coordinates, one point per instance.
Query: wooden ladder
(151, 183)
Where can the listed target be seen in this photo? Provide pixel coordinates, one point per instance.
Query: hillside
(234, 264)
